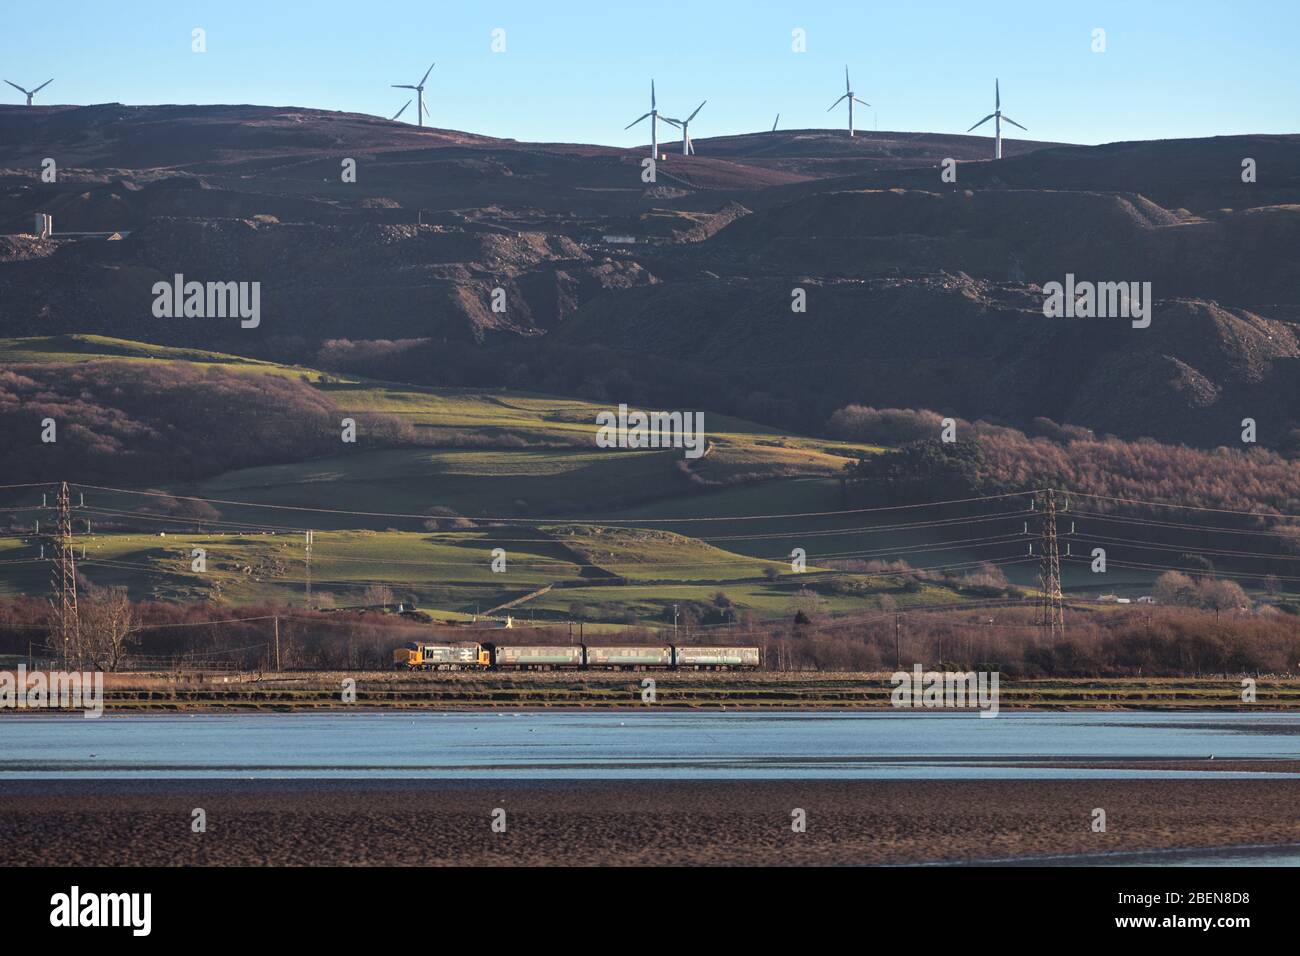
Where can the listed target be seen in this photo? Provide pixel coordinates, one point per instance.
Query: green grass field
(620, 535)
(452, 571)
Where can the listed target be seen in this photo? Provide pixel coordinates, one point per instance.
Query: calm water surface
(611, 745)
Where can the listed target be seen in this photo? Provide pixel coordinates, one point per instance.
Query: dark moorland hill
(920, 293)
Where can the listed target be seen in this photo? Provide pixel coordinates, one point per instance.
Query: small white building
(44, 229)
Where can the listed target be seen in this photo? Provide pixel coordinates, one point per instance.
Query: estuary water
(664, 745)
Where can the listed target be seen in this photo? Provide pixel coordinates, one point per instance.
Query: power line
(629, 563)
(1186, 548)
(871, 529)
(252, 527)
(1144, 566)
(1050, 589)
(1181, 525)
(559, 521)
(1167, 504)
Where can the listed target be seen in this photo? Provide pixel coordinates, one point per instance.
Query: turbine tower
(31, 93)
(655, 120)
(421, 111)
(848, 95)
(688, 148)
(997, 118)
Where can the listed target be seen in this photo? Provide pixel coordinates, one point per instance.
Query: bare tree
(1176, 588)
(107, 627)
(377, 595)
(1223, 596)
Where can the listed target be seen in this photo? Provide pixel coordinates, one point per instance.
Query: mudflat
(628, 822)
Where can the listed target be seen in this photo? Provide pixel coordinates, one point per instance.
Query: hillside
(439, 477)
(457, 259)
(415, 507)
(473, 304)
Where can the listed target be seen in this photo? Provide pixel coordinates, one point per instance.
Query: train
(472, 656)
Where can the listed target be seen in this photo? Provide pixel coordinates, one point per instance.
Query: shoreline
(463, 707)
(756, 691)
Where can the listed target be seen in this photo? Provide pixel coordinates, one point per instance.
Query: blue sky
(579, 71)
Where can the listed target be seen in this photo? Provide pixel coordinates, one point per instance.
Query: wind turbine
(997, 118)
(402, 110)
(655, 120)
(688, 148)
(421, 111)
(775, 121)
(31, 93)
(848, 95)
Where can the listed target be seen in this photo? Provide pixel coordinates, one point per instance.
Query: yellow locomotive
(465, 655)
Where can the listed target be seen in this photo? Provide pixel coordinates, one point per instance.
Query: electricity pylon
(64, 579)
(1050, 601)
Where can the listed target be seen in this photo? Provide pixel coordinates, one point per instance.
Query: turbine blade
(863, 102)
(43, 85)
(847, 88)
(402, 110)
(837, 102)
(997, 95)
(671, 122)
(403, 86)
(426, 108)
(652, 94)
(775, 121)
(983, 121)
(1014, 123)
(690, 146)
(426, 74)
(635, 121)
(697, 109)
(17, 87)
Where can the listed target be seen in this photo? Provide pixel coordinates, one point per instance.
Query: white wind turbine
(31, 93)
(688, 147)
(997, 118)
(421, 111)
(848, 95)
(655, 120)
